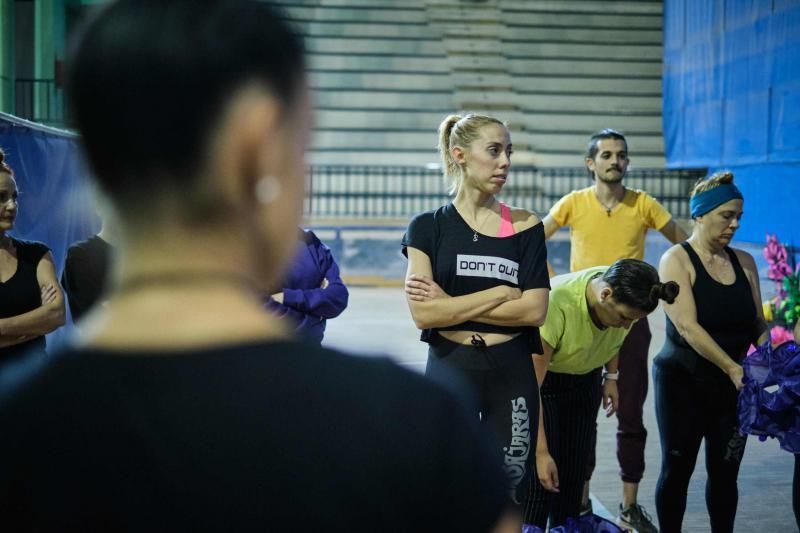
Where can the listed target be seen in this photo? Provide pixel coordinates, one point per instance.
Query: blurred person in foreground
(187, 407)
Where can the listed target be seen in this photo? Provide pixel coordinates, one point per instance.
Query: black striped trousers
(569, 404)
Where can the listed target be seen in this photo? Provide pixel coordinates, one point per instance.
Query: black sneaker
(635, 518)
(586, 509)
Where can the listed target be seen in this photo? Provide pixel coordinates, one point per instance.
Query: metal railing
(401, 191)
(39, 100)
(6, 86)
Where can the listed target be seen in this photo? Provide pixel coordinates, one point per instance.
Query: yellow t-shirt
(578, 345)
(600, 239)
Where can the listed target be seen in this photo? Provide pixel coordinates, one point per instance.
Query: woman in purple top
(312, 290)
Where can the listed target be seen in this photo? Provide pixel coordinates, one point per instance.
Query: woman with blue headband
(711, 324)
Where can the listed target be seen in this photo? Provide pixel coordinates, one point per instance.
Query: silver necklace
(480, 226)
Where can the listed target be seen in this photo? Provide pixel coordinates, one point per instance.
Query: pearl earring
(268, 188)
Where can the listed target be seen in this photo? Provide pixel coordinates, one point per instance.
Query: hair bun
(664, 291)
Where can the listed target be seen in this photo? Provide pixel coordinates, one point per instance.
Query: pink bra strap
(506, 226)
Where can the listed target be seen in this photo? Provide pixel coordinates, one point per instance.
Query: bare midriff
(465, 337)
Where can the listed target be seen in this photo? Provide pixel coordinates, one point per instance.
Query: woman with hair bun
(698, 371)
(591, 312)
(477, 287)
(31, 301)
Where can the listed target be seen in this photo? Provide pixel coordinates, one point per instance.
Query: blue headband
(703, 202)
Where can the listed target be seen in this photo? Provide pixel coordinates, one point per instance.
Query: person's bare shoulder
(747, 260)
(748, 265)
(523, 219)
(676, 255)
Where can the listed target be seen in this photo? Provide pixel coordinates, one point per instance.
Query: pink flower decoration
(774, 250)
(777, 272)
(776, 255)
(779, 335)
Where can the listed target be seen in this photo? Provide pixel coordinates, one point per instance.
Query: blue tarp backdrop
(732, 100)
(56, 204)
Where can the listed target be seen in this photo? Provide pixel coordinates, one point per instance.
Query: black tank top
(726, 312)
(21, 294)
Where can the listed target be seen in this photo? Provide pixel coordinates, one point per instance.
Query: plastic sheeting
(731, 82)
(732, 100)
(771, 195)
(56, 203)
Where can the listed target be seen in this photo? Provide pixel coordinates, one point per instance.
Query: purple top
(305, 302)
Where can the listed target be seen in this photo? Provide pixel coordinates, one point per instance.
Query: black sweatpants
(688, 411)
(796, 490)
(504, 383)
(569, 404)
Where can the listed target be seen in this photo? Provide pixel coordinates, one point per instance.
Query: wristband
(613, 376)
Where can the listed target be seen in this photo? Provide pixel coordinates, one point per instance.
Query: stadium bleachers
(384, 73)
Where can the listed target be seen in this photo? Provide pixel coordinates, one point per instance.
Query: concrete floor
(377, 321)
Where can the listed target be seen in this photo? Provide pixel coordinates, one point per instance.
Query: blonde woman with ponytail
(477, 286)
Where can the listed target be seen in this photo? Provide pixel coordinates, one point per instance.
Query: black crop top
(462, 265)
(21, 293)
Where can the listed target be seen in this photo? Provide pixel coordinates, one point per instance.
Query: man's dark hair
(149, 79)
(636, 284)
(607, 133)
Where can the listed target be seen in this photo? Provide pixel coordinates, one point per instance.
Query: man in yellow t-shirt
(609, 222)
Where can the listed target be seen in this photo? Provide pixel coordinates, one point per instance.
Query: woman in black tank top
(31, 301)
(710, 326)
